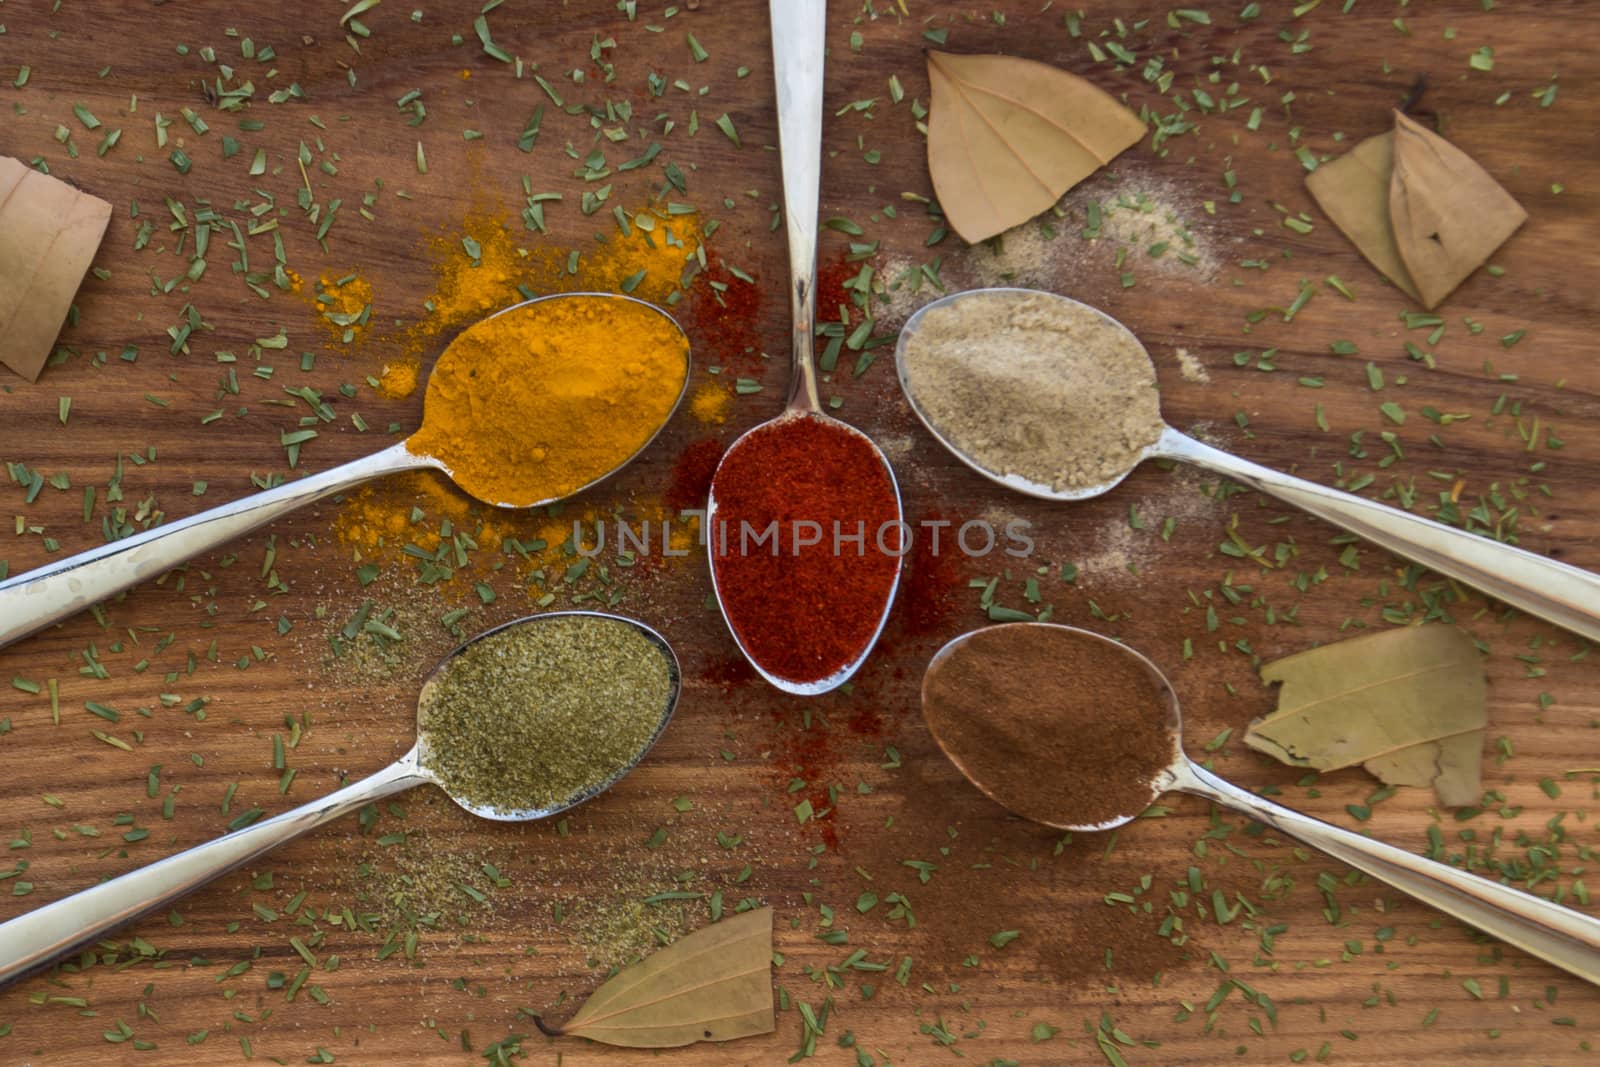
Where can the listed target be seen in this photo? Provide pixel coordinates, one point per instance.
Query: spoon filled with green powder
(1056, 399)
(522, 722)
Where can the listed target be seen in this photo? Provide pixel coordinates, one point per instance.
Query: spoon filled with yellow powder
(529, 406)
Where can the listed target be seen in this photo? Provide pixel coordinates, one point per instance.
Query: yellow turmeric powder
(398, 380)
(481, 267)
(476, 271)
(710, 403)
(345, 305)
(533, 405)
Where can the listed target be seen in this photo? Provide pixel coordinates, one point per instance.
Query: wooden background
(1375, 980)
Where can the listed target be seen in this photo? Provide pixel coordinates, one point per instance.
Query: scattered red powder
(831, 291)
(929, 582)
(691, 475)
(729, 674)
(724, 318)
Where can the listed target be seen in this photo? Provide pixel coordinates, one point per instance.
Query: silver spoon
(1555, 591)
(38, 938)
(29, 602)
(797, 55)
(1540, 927)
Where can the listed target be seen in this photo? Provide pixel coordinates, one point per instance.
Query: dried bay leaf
(1407, 704)
(1451, 765)
(49, 233)
(1417, 207)
(1007, 137)
(712, 985)
(1353, 191)
(1448, 214)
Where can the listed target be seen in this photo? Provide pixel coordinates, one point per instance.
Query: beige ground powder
(1034, 385)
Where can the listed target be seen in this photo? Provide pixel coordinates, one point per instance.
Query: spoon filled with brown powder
(1056, 399)
(520, 723)
(1073, 730)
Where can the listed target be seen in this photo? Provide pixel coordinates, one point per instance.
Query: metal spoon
(1558, 592)
(797, 54)
(30, 602)
(1540, 927)
(33, 941)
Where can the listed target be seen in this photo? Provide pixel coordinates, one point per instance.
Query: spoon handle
(1555, 591)
(30, 602)
(33, 941)
(797, 58)
(1552, 932)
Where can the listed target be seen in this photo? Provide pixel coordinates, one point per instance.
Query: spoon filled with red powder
(1079, 732)
(804, 525)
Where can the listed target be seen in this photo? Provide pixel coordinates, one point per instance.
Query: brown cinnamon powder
(1054, 723)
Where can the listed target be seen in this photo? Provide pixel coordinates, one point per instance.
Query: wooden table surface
(1312, 962)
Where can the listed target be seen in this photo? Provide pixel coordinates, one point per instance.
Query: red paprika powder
(805, 545)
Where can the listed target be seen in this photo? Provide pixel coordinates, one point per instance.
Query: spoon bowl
(1555, 591)
(32, 941)
(836, 678)
(619, 300)
(1011, 480)
(675, 690)
(1541, 927)
(1059, 817)
(31, 601)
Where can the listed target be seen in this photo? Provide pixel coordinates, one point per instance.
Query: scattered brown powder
(1144, 217)
(900, 287)
(1114, 552)
(1057, 725)
(1034, 385)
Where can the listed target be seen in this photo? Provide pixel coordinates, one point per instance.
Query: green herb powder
(539, 713)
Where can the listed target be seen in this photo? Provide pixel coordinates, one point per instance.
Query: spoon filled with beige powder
(1056, 399)
(1073, 730)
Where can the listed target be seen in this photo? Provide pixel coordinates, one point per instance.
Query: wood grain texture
(735, 747)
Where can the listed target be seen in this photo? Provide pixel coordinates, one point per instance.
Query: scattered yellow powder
(476, 272)
(648, 261)
(344, 304)
(379, 520)
(423, 522)
(399, 380)
(488, 262)
(710, 403)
